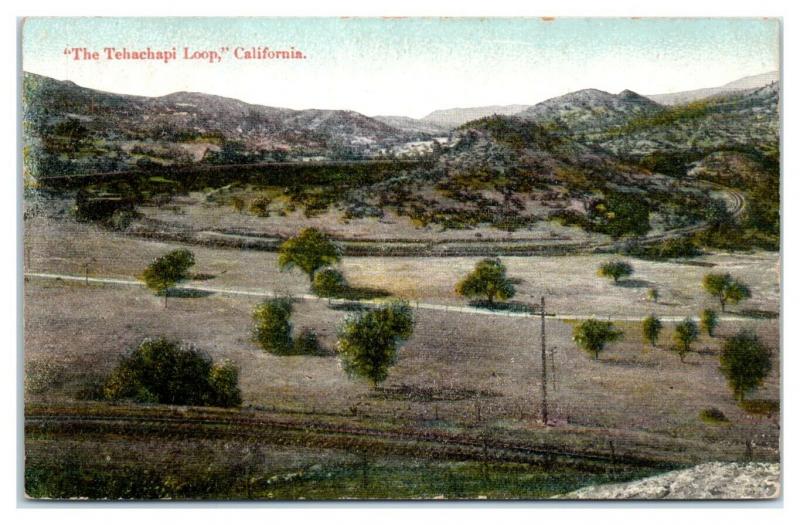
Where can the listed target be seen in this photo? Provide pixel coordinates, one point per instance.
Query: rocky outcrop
(706, 481)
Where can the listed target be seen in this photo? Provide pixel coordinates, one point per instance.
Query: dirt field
(457, 371)
(570, 283)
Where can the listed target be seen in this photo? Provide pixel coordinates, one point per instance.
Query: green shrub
(489, 280)
(329, 282)
(164, 371)
(272, 330)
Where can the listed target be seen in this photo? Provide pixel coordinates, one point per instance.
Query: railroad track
(403, 441)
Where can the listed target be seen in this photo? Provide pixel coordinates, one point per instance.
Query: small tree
(615, 269)
(709, 321)
(652, 294)
(725, 288)
(686, 333)
(651, 328)
(168, 270)
(272, 329)
(309, 250)
(489, 280)
(745, 362)
(593, 335)
(367, 343)
(329, 282)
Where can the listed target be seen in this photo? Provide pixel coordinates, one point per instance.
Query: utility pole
(544, 368)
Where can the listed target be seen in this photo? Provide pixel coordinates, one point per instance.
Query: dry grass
(487, 368)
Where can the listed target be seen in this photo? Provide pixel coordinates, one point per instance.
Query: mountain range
(96, 130)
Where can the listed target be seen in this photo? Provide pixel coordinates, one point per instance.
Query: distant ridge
(454, 117)
(745, 83)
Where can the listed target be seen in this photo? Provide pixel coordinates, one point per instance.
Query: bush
(329, 282)
(489, 280)
(273, 331)
(164, 371)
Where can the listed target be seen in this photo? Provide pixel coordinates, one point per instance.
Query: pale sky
(408, 66)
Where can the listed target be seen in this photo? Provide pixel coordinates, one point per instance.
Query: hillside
(102, 131)
(745, 119)
(590, 110)
(413, 125)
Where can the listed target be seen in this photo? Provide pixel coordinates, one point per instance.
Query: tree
(165, 371)
(651, 328)
(593, 335)
(309, 250)
(272, 330)
(709, 321)
(745, 362)
(615, 270)
(167, 271)
(686, 333)
(367, 342)
(487, 279)
(725, 288)
(329, 282)
(652, 294)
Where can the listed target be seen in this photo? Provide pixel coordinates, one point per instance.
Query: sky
(406, 66)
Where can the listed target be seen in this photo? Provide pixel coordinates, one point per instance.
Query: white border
(619, 513)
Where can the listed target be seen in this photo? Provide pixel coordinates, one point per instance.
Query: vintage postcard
(401, 259)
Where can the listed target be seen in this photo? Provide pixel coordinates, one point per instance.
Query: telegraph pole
(544, 368)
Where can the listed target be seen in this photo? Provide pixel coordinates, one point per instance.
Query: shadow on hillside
(505, 306)
(634, 283)
(349, 307)
(357, 293)
(757, 314)
(183, 293)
